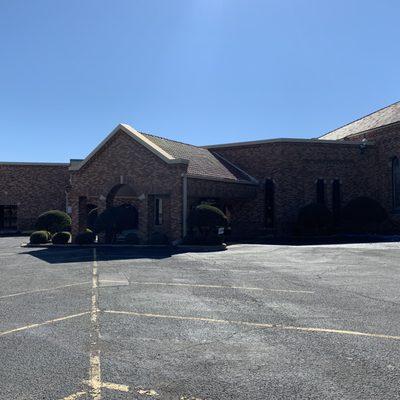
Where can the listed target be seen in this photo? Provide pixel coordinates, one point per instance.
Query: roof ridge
(359, 119)
(170, 140)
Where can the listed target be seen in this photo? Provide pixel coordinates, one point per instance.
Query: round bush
(132, 238)
(118, 218)
(363, 214)
(86, 237)
(54, 221)
(314, 219)
(39, 237)
(114, 220)
(206, 216)
(61, 238)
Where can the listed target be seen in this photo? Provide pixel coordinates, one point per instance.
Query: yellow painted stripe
(115, 386)
(51, 321)
(218, 287)
(74, 396)
(94, 358)
(257, 324)
(112, 386)
(43, 290)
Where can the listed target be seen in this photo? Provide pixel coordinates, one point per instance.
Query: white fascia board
(138, 137)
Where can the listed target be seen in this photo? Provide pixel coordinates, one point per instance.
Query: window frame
(8, 217)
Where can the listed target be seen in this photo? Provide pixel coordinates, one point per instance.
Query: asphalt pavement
(253, 322)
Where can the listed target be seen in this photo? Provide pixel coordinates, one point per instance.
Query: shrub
(54, 221)
(363, 214)
(91, 219)
(86, 237)
(204, 222)
(39, 237)
(116, 219)
(205, 217)
(314, 219)
(158, 238)
(132, 238)
(61, 238)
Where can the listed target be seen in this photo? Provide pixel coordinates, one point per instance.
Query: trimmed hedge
(61, 238)
(208, 217)
(314, 219)
(54, 221)
(116, 219)
(39, 237)
(86, 237)
(204, 222)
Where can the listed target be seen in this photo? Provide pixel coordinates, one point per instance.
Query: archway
(121, 214)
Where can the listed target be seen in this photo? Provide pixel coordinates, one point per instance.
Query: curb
(201, 248)
(179, 248)
(74, 245)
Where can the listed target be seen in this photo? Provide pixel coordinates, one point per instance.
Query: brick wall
(295, 167)
(122, 159)
(34, 189)
(386, 140)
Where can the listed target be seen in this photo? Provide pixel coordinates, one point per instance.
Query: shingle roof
(384, 116)
(202, 162)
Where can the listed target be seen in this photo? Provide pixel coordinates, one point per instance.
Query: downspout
(184, 204)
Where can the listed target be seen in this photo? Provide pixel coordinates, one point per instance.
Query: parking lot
(253, 322)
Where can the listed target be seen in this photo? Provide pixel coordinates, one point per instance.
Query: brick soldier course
(261, 185)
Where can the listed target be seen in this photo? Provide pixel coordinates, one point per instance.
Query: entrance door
(8, 218)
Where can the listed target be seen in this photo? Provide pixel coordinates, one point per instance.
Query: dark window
(269, 203)
(158, 211)
(320, 191)
(336, 199)
(396, 183)
(8, 217)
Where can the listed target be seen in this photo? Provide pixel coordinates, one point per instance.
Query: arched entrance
(121, 212)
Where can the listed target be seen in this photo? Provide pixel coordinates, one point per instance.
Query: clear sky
(200, 71)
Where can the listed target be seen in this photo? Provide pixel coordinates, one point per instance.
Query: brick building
(260, 185)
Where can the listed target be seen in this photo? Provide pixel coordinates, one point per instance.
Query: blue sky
(200, 71)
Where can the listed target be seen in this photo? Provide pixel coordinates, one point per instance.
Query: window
(8, 217)
(158, 212)
(320, 191)
(269, 203)
(336, 198)
(396, 183)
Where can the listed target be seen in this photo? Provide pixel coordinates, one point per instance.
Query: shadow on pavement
(85, 254)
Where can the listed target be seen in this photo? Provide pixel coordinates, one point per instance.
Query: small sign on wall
(221, 231)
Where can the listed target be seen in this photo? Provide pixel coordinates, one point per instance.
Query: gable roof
(138, 137)
(385, 116)
(201, 162)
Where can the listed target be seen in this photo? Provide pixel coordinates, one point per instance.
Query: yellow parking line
(74, 396)
(43, 290)
(94, 358)
(52, 321)
(257, 324)
(219, 287)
